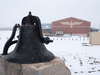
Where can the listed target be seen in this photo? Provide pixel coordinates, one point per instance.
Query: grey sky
(12, 11)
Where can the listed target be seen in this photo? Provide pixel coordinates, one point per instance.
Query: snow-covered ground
(79, 56)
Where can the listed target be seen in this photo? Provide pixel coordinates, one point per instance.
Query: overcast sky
(12, 11)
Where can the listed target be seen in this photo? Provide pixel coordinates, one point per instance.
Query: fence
(69, 39)
(59, 39)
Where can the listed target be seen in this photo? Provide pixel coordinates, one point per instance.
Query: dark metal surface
(30, 47)
(10, 42)
(34, 20)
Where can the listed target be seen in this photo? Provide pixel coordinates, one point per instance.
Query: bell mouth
(30, 59)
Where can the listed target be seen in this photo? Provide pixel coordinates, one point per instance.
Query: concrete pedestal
(54, 67)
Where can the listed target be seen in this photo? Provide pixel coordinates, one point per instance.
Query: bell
(30, 46)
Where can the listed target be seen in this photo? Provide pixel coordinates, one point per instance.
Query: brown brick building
(71, 25)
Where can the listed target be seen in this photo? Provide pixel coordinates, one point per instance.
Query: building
(93, 30)
(95, 38)
(46, 28)
(72, 26)
(6, 28)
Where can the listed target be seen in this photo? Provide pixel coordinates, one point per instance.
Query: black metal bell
(30, 46)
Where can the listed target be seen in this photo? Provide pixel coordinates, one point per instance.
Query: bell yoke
(30, 46)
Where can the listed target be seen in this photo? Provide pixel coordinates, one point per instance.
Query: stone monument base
(54, 67)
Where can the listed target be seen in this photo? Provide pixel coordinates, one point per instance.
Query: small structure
(95, 38)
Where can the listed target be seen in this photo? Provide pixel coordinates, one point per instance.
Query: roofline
(71, 17)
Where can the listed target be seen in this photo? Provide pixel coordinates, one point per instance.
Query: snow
(80, 57)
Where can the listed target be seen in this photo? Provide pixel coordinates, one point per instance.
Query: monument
(30, 56)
